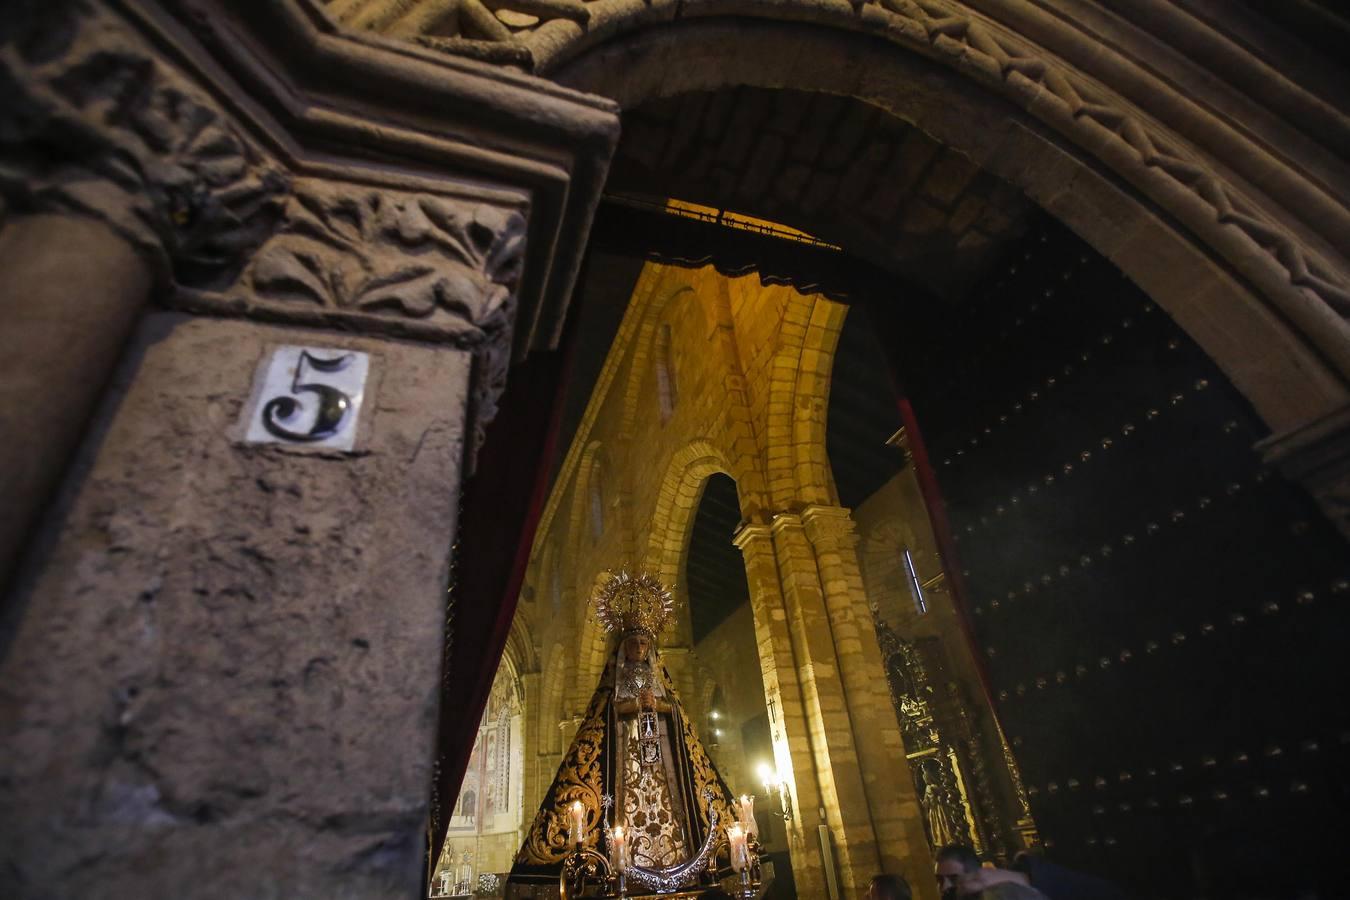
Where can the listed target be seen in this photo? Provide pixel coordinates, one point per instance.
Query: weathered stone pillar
(531, 749)
(789, 727)
(70, 290)
(226, 668)
(894, 808)
(220, 668)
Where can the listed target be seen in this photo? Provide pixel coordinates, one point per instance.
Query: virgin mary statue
(636, 758)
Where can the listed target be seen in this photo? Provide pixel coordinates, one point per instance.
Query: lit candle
(736, 839)
(619, 849)
(578, 831)
(747, 816)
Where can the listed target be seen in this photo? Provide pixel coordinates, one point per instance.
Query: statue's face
(635, 646)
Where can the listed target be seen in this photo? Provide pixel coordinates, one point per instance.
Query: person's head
(888, 887)
(953, 861)
(636, 645)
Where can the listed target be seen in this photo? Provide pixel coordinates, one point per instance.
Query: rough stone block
(225, 661)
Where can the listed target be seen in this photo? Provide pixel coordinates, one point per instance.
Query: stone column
(789, 726)
(824, 691)
(70, 290)
(530, 787)
(220, 668)
(223, 661)
(895, 810)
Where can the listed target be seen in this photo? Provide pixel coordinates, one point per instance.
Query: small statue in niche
(941, 828)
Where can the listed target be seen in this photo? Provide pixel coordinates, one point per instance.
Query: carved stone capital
(753, 537)
(421, 265)
(783, 522)
(830, 527)
(96, 123)
(1317, 455)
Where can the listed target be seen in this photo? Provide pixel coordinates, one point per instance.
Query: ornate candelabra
(589, 873)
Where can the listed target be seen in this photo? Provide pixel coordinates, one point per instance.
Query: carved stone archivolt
(1058, 75)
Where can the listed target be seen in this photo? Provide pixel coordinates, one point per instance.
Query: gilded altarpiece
(953, 764)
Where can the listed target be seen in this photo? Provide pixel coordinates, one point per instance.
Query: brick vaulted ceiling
(847, 172)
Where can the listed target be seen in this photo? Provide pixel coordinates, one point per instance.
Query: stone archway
(681, 488)
(1166, 221)
(1097, 114)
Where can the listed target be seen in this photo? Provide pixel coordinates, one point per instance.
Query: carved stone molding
(1318, 457)
(752, 538)
(1265, 197)
(416, 265)
(97, 124)
(156, 120)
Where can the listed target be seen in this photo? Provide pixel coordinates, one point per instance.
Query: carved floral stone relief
(97, 123)
(378, 252)
(94, 122)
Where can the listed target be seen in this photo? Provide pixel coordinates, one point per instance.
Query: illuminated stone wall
(731, 699)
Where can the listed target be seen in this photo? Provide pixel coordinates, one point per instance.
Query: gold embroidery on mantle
(579, 778)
